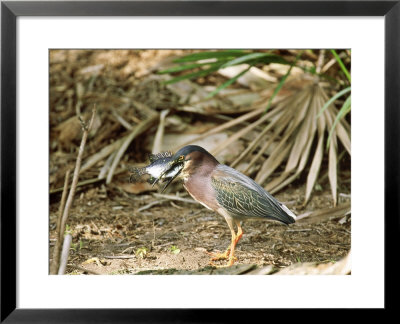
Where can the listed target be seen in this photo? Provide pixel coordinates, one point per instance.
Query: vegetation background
(280, 116)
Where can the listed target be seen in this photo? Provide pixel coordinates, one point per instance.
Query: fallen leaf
(136, 188)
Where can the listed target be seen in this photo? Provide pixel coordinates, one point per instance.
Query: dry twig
(57, 249)
(160, 132)
(120, 256)
(153, 203)
(172, 197)
(62, 204)
(65, 253)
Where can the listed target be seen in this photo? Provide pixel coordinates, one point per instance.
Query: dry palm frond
(294, 132)
(293, 125)
(227, 125)
(243, 131)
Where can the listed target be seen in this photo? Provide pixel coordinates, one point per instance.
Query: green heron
(225, 190)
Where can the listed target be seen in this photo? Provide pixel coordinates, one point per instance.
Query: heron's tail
(287, 216)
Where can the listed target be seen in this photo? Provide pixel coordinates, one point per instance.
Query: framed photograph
(123, 67)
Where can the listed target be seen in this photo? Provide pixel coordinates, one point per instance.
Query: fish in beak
(157, 164)
(170, 172)
(162, 167)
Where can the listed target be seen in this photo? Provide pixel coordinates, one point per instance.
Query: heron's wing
(244, 198)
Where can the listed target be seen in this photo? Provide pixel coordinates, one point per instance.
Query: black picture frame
(10, 10)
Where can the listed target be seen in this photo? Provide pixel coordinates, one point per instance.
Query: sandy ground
(110, 235)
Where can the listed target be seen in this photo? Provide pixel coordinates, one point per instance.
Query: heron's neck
(200, 168)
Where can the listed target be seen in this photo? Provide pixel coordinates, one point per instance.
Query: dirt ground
(110, 235)
(116, 231)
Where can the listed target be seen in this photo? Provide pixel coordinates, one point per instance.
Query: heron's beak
(170, 172)
(173, 177)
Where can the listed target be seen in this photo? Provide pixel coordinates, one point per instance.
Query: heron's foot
(219, 256)
(231, 261)
(226, 265)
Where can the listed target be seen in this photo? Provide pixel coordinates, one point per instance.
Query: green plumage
(243, 198)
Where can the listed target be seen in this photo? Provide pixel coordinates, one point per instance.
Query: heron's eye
(181, 158)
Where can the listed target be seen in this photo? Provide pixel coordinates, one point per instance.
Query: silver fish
(158, 163)
(154, 169)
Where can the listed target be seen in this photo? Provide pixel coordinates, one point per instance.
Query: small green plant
(281, 82)
(74, 246)
(318, 187)
(346, 107)
(174, 249)
(141, 252)
(67, 229)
